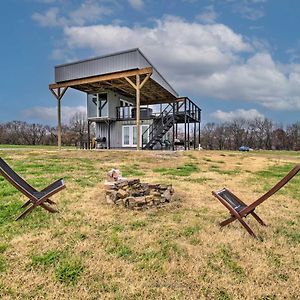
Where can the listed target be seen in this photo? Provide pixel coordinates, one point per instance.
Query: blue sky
(234, 58)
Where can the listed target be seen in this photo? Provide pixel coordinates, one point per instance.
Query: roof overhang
(151, 93)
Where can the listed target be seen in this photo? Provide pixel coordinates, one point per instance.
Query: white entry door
(129, 135)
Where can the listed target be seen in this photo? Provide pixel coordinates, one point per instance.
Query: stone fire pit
(135, 195)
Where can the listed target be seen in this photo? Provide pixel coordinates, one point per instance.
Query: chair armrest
(56, 184)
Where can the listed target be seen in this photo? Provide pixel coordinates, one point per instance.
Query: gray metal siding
(97, 66)
(127, 60)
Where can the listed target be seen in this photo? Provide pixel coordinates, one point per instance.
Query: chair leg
(40, 202)
(49, 208)
(50, 201)
(30, 201)
(26, 212)
(250, 231)
(258, 219)
(26, 203)
(227, 221)
(29, 210)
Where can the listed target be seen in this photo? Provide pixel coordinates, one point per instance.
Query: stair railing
(157, 127)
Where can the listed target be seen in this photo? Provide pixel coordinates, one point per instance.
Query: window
(126, 136)
(98, 105)
(129, 135)
(125, 103)
(134, 135)
(146, 136)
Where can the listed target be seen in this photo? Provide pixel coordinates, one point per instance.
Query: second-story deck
(182, 108)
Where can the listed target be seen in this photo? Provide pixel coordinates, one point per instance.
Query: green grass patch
(190, 230)
(229, 259)
(3, 247)
(137, 224)
(68, 271)
(217, 169)
(226, 258)
(269, 177)
(47, 259)
(184, 170)
(223, 295)
(2, 264)
(117, 228)
(131, 171)
(118, 248)
(198, 180)
(9, 211)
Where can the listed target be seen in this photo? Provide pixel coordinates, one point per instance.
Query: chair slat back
(273, 190)
(16, 180)
(231, 199)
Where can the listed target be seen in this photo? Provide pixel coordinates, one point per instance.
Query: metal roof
(106, 64)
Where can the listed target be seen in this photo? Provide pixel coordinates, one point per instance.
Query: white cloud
(136, 4)
(228, 116)
(50, 18)
(258, 80)
(249, 9)
(208, 15)
(49, 114)
(88, 12)
(208, 60)
(173, 44)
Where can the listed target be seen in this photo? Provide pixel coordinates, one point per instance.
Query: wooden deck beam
(100, 78)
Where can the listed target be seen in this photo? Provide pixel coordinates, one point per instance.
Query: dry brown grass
(91, 250)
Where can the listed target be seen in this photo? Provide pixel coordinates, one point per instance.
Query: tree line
(260, 133)
(22, 133)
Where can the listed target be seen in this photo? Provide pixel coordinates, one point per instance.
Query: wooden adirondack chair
(36, 198)
(239, 210)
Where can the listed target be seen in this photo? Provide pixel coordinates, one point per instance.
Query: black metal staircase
(161, 125)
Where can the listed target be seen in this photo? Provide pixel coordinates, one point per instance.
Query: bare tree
(208, 134)
(79, 127)
(33, 134)
(293, 136)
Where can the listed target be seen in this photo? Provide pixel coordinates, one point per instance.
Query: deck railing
(182, 106)
(186, 106)
(129, 112)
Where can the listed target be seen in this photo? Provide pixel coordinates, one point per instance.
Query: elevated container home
(131, 103)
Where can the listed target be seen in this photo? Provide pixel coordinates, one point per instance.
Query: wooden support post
(173, 137)
(194, 125)
(137, 86)
(199, 134)
(59, 123)
(108, 143)
(58, 95)
(138, 116)
(185, 124)
(189, 119)
(188, 132)
(89, 134)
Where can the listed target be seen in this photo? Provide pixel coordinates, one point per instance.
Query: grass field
(91, 250)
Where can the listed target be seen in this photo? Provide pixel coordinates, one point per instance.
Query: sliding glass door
(129, 138)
